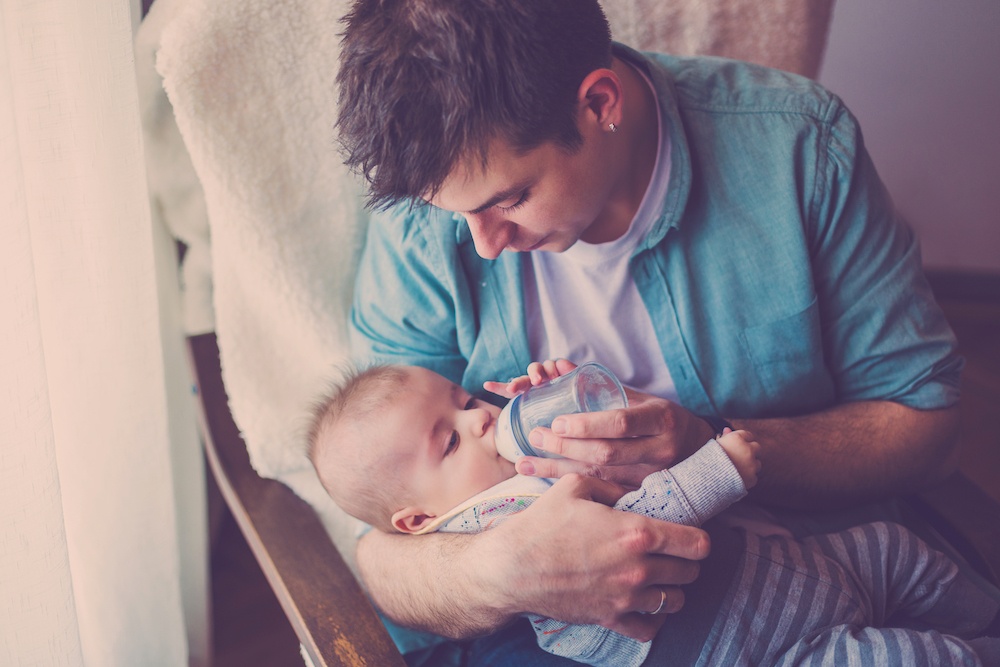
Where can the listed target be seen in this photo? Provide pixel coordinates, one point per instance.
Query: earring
(612, 127)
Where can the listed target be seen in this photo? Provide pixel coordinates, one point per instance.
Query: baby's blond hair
(356, 480)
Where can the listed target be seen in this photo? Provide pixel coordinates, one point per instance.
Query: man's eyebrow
(499, 197)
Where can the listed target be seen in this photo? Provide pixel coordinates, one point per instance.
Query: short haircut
(359, 481)
(428, 84)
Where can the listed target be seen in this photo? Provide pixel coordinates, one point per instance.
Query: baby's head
(397, 446)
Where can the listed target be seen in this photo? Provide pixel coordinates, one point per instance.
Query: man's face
(445, 441)
(545, 199)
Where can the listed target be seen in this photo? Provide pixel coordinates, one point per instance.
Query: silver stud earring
(612, 127)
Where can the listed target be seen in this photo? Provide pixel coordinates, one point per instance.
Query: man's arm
(841, 456)
(439, 582)
(853, 453)
(453, 605)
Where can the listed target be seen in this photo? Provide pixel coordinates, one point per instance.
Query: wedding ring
(663, 601)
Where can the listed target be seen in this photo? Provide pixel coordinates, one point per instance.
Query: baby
(406, 450)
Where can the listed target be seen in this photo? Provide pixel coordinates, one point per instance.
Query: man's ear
(600, 98)
(411, 519)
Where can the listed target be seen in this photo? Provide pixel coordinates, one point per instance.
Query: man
(712, 231)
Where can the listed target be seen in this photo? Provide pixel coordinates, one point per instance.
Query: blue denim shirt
(779, 278)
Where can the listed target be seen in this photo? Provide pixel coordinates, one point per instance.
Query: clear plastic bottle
(588, 388)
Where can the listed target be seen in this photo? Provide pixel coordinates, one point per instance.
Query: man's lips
(534, 246)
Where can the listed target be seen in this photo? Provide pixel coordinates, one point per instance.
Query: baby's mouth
(491, 430)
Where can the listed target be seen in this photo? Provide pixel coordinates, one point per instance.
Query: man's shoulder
(413, 224)
(723, 85)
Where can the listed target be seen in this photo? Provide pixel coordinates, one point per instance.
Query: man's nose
(490, 237)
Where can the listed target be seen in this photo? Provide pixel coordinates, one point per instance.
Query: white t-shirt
(590, 286)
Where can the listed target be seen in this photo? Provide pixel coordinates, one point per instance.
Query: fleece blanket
(238, 102)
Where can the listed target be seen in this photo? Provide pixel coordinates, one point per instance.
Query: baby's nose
(484, 419)
(485, 422)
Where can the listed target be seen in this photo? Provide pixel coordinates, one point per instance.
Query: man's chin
(560, 246)
(550, 245)
(527, 247)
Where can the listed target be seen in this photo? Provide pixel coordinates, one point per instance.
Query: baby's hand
(743, 451)
(538, 372)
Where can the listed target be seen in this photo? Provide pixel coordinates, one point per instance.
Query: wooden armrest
(334, 620)
(968, 518)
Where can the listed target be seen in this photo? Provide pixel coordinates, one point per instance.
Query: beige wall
(923, 76)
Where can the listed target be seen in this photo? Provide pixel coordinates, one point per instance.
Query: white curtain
(102, 534)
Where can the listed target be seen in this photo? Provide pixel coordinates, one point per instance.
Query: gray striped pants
(872, 595)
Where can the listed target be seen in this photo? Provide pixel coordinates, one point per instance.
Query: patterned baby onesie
(689, 493)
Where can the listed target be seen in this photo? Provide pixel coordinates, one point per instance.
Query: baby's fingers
(538, 372)
(498, 388)
(508, 389)
(542, 371)
(551, 372)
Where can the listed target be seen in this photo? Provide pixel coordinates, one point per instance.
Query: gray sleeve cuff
(708, 481)
(691, 492)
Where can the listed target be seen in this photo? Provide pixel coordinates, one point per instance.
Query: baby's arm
(691, 492)
(538, 372)
(702, 485)
(744, 452)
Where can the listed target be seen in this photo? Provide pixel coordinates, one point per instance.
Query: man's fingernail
(525, 468)
(536, 440)
(559, 426)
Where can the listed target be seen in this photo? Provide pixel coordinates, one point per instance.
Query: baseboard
(964, 285)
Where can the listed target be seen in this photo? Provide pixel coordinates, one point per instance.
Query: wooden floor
(251, 630)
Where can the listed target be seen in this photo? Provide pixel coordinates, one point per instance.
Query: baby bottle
(587, 388)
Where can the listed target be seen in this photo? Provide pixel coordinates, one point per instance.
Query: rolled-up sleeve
(885, 336)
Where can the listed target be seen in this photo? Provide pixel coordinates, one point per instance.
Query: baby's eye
(452, 443)
(471, 403)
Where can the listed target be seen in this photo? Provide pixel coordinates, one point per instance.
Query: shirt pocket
(787, 357)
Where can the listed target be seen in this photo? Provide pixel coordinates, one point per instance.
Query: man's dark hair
(425, 84)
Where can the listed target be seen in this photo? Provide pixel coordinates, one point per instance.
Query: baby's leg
(897, 574)
(791, 600)
(888, 647)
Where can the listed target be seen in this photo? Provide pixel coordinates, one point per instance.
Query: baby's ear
(410, 520)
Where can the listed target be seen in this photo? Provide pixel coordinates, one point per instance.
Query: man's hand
(621, 445)
(566, 557)
(579, 561)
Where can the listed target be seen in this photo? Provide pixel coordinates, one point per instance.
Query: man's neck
(634, 161)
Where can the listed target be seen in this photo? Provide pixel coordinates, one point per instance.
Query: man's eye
(452, 443)
(516, 205)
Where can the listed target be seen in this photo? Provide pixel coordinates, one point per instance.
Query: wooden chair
(333, 619)
(330, 614)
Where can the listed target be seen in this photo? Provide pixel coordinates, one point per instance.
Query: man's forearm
(852, 453)
(426, 583)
